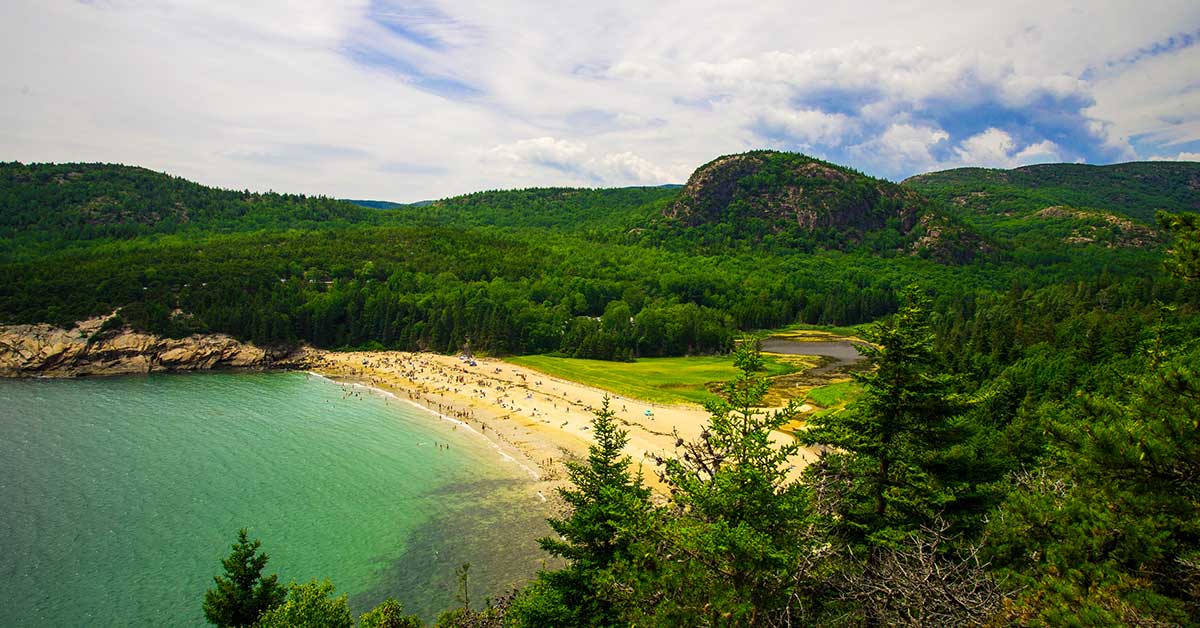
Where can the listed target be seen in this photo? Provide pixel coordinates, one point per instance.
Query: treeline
(297, 269)
(1137, 190)
(509, 292)
(66, 202)
(607, 211)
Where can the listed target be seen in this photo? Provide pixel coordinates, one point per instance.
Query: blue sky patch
(444, 86)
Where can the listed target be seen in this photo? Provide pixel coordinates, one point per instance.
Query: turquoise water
(120, 496)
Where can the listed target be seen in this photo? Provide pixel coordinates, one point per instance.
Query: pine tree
(889, 452)
(729, 549)
(1184, 260)
(242, 595)
(1109, 531)
(602, 497)
(602, 494)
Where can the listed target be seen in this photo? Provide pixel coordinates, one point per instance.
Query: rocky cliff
(789, 189)
(45, 350)
(797, 201)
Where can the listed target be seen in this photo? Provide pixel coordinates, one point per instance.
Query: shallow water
(120, 496)
(843, 352)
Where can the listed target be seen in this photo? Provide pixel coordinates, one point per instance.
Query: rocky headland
(87, 349)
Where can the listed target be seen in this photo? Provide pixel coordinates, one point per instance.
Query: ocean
(120, 496)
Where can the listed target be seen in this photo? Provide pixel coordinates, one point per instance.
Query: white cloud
(990, 148)
(328, 97)
(545, 151)
(1158, 100)
(995, 148)
(808, 126)
(1041, 152)
(903, 144)
(628, 168)
(908, 145)
(1182, 156)
(524, 160)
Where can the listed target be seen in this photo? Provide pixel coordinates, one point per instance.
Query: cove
(121, 495)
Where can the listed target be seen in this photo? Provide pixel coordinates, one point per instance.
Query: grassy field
(660, 380)
(833, 395)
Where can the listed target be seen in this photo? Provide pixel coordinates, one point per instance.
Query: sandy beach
(537, 419)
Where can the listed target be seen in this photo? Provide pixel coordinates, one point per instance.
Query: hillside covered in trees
(1135, 190)
(791, 202)
(91, 201)
(600, 273)
(1040, 209)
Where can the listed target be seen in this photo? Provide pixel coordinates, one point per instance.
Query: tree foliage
(897, 453)
(1184, 259)
(726, 549)
(310, 605)
(242, 594)
(604, 496)
(388, 614)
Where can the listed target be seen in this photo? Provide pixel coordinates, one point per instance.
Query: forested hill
(1135, 190)
(795, 202)
(604, 209)
(81, 201)
(384, 204)
(754, 241)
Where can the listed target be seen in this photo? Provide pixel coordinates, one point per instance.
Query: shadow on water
(492, 524)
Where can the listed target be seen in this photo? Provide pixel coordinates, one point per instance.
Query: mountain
(1135, 190)
(82, 201)
(569, 209)
(382, 204)
(794, 201)
(1049, 205)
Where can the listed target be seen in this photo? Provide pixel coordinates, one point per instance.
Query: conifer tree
(728, 550)
(1184, 260)
(1109, 531)
(242, 595)
(603, 496)
(388, 614)
(889, 452)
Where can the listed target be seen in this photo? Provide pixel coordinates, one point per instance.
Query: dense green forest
(70, 202)
(1024, 452)
(1136, 190)
(612, 274)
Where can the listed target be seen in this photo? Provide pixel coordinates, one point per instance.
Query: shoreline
(537, 419)
(544, 419)
(525, 465)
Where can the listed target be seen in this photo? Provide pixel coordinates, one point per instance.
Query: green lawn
(660, 380)
(834, 395)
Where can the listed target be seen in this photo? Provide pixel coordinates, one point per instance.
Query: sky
(408, 101)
